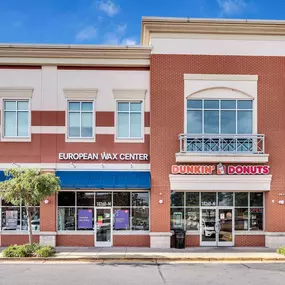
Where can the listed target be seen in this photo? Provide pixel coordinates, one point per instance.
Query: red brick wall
(7, 240)
(167, 121)
(75, 240)
(48, 215)
(131, 240)
(249, 240)
(192, 241)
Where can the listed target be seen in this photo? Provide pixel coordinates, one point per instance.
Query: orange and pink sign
(221, 169)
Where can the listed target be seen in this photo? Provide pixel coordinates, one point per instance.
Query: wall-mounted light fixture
(46, 201)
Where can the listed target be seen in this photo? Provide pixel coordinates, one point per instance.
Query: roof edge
(210, 26)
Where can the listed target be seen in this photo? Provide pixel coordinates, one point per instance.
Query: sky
(113, 22)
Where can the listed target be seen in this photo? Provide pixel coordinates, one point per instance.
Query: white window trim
(130, 140)
(79, 139)
(130, 95)
(16, 138)
(210, 82)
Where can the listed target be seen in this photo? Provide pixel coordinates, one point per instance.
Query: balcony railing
(249, 144)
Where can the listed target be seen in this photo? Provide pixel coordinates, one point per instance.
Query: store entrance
(216, 226)
(103, 227)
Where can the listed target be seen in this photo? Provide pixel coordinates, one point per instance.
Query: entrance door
(225, 227)
(216, 227)
(103, 227)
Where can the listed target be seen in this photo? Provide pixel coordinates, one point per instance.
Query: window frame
(129, 139)
(233, 207)
(219, 110)
(15, 138)
(80, 139)
(21, 207)
(112, 207)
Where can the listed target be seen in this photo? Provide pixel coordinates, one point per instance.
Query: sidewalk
(135, 254)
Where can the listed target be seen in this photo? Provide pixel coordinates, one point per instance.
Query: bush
(28, 250)
(45, 251)
(281, 250)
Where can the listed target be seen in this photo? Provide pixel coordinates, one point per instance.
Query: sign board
(121, 219)
(85, 219)
(11, 220)
(104, 156)
(221, 169)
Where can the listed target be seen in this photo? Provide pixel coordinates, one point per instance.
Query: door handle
(217, 227)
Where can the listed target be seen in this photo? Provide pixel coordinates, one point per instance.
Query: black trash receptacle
(179, 238)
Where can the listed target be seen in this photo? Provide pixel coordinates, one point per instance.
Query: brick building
(184, 131)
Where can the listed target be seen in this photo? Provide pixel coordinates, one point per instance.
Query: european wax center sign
(103, 156)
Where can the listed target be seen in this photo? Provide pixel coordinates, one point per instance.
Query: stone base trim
(274, 240)
(48, 239)
(160, 239)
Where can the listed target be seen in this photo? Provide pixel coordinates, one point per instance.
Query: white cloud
(109, 7)
(115, 39)
(121, 28)
(129, 42)
(232, 7)
(87, 33)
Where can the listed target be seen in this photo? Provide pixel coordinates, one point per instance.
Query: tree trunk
(29, 218)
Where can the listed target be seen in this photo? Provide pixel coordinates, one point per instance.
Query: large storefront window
(186, 206)
(76, 210)
(14, 218)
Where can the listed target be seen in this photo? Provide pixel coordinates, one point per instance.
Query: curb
(142, 260)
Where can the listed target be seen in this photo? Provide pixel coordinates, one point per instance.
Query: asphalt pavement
(140, 273)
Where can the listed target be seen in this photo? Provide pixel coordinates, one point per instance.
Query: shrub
(45, 251)
(28, 250)
(281, 250)
(10, 251)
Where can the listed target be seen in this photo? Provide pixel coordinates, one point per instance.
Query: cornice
(210, 26)
(72, 54)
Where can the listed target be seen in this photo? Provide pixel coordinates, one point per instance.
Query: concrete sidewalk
(135, 254)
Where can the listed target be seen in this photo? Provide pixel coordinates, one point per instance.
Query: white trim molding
(80, 94)
(223, 158)
(16, 93)
(220, 182)
(223, 87)
(221, 77)
(80, 166)
(129, 94)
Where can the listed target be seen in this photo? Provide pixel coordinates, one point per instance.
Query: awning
(104, 179)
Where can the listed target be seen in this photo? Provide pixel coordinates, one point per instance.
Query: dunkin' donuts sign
(221, 169)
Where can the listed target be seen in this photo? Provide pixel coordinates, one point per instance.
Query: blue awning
(104, 179)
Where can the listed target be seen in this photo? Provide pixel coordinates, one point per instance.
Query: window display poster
(121, 219)
(85, 219)
(177, 219)
(11, 220)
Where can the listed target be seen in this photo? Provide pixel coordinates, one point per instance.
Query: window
(130, 209)
(16, 118)
(219, 117)
(15, 217)
(129, 120)
(80, 119)
(248, 207)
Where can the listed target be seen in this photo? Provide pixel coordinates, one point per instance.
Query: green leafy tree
(29, 187)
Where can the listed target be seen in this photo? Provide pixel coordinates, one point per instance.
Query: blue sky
(113, 21)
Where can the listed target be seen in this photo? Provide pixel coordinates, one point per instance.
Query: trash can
(179, 238)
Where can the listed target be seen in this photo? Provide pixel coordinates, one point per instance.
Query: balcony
(222, 148)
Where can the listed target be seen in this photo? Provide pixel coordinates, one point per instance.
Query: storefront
(217, 216)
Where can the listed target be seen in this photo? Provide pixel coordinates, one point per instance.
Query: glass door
(225, 227)
(103, 227)
(216, 227)
(208, 226)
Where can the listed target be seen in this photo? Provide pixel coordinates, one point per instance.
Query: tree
(29, 187)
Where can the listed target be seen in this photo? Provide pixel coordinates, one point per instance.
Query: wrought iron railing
(221, 143)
